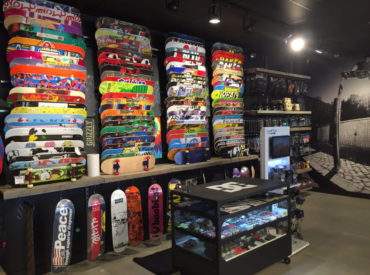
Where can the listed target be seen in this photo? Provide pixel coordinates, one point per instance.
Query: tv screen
(280, 147)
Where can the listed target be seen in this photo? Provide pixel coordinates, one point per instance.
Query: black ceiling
(336, 26)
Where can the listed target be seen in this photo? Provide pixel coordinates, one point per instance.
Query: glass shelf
(247, 243)
(255, 218)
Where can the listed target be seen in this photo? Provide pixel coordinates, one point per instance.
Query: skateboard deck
(172, 185)
(95, 226)
(155, 211)
(118, 87)
(58, 58)
(128, 96)
(127, 165)
(61, 251)
(47, 110)
(192, 156)
(39, 144)
(158, 138)
(37, 32)
(46, 163)
(122, 26)
(48, 174)
(119, 221)
(30, 90)
(29, 152)
(13, 98)
(34, 134)
(135, 219)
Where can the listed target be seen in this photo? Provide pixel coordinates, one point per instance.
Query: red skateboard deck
(155, 211)
(135, 220)
(95, 226)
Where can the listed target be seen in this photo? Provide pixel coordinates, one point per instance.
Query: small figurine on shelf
(116, 167)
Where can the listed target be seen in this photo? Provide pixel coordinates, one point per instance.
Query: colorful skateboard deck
(63, 229)
(39, 144)
(155, 211)
(48, 174)
(119, 221)
(135, 220)
(95, 226)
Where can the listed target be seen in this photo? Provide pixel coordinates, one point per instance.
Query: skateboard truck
(186, 157)
(29, 177)
(146, 163)
(73, 172)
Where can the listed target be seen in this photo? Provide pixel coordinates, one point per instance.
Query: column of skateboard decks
(228, 106)
(187, 91)
(127, 121)
(43, 135)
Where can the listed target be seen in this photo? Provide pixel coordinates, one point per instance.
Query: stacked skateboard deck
(227, 101)
(43, 133)
(127, 121)
(187, 90)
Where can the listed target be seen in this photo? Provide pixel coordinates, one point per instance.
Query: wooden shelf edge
(7, 192)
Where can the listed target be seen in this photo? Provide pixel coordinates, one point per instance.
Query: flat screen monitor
(280, 147)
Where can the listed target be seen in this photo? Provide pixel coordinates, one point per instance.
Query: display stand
(267, 162)
(230, 227)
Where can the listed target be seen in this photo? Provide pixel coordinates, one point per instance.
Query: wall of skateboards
(44, 133)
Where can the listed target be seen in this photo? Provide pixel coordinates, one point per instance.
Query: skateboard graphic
(119, 221)
(95, 226)
(135, 220)
(61, 251)
(155, 211)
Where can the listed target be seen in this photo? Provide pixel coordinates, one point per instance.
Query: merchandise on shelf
(129, 130)
(187, 91)
(45, 54)
(155, 211)
(228, 106)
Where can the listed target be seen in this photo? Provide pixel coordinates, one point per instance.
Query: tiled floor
(337, 227)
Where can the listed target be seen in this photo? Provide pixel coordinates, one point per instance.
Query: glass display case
(225, 227)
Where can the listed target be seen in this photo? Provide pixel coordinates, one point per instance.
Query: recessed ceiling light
(297, 44)
(318, 51)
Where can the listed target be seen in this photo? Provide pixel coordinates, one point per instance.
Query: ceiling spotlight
(318, 51)
(214, 13)
(173, 5)
(297, 44)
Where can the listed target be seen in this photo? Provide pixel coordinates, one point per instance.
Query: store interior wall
(271, 52)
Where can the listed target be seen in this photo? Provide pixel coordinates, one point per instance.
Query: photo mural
(340, 104)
